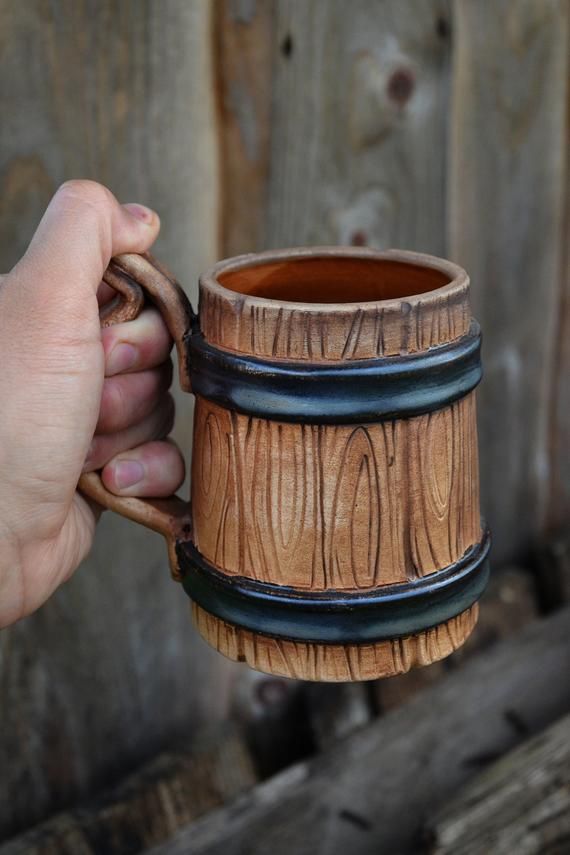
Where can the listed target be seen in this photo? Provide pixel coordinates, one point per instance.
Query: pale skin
(75, 398)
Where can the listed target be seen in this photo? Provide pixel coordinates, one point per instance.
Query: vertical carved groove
(400, 499)
(332, 662)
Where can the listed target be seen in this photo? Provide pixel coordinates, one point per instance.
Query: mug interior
(335, 279)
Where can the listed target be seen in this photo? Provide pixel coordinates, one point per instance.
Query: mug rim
(457, 276)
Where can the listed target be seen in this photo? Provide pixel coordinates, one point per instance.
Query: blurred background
(434, 125)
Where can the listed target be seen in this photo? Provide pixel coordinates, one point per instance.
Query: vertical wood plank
(359, 124)
(506, 196)
(243, 32)
(110, 670)
(559, 505)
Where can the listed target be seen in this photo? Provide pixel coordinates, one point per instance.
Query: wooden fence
(433, 125)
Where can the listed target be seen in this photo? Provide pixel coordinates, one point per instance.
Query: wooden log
(375, 790)
(110, 670)
(520, 804)
(507, 190)
(151, 804)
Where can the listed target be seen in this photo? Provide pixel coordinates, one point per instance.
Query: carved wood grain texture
(250, 325)
(339, 506)
(335, 662)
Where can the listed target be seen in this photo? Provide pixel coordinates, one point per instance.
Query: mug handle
(134, 278)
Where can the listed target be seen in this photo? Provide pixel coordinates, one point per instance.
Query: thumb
(82, 228)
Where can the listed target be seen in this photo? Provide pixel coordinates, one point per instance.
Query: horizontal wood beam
(520, 804)
(374, 792)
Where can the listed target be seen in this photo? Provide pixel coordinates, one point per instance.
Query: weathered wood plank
(506, 195)
(559, 506)
(520, 804)
(151, 804)
(375, 790)
(358, 136)
(110, 671)
(553, 569)
(243, 51)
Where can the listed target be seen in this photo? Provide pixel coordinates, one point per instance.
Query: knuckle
(90, 193)
(113, 405)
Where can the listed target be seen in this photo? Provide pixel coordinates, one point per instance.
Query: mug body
(336, 531)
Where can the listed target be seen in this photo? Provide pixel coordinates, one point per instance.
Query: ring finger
(156, 425)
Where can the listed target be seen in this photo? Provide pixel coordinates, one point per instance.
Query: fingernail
(141, 212)
(122, 357)
(128, 473)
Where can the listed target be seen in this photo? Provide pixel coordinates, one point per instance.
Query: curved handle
(135, 277)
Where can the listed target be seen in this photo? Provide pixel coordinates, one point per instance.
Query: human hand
(74, 397)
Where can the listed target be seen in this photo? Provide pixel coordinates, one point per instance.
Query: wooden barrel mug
(334, 530)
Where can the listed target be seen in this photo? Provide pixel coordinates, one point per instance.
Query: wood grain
(358, 137)
(506, 204)
(243, 62)
(110, 670)
(375, 790)
(151, 804)
(335, 662)
(433, 310)
(340, 506)
(520, 804)
(558, 512)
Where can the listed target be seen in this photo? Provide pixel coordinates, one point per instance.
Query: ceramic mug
(334, 530)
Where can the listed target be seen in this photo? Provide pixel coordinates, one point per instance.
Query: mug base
(335, 663)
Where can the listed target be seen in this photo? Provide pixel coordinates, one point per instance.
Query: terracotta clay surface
(335, 662)
(344, 507)
(310, 506)
(387, 309)
(335, 506)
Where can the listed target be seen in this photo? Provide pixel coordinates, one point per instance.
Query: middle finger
(129, 398)
(136, 345)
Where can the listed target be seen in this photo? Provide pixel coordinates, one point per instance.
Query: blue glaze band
(359, 391)
(337, 617)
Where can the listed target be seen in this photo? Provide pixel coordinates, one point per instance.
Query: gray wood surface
(358, 134)
(507, 191)
(559, 506)
(375, 790)
(151, 804)
(507, 606)
(521, 804)
(110, 671)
